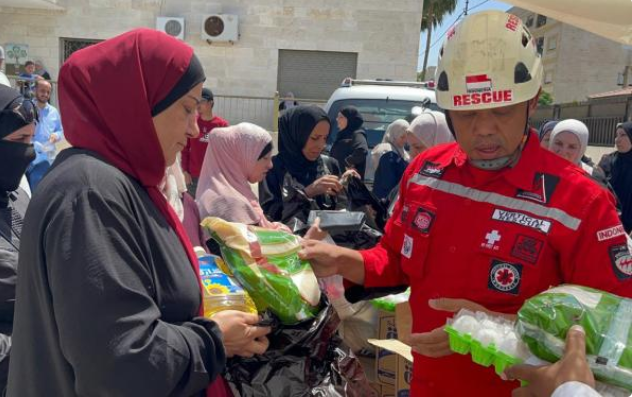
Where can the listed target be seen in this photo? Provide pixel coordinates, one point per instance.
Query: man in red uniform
(490, 220)
(193, 154)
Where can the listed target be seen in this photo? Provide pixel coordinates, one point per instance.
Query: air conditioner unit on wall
(172, 26)
(220, 28)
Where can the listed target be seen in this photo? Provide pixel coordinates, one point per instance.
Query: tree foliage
(432, 16)
(545, 99)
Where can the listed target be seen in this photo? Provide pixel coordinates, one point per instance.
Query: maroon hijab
(106, 96)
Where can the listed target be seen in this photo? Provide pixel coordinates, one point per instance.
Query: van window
(377, 113)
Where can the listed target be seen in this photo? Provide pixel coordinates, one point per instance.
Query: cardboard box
(387, 391)
(383, 390)
(394, 366)
(386, 362)
(404, 376)
(377, 387)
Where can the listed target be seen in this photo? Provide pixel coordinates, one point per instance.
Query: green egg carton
(459, 343)
(503, 360)
(483, 355)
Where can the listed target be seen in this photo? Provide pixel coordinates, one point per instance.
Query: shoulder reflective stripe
(497, 199)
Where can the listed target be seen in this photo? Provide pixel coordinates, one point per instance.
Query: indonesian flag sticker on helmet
(488, 60)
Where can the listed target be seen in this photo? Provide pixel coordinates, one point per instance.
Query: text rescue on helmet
(504, 96)
(479, 90)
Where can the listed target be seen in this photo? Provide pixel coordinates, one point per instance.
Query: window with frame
(530, 20)
(541, 21)
(70, 45)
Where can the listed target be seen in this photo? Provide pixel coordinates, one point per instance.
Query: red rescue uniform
(496, 238)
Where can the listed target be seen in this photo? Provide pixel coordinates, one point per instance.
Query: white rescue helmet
(488, 60)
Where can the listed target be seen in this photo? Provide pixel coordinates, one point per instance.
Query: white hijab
(173, 187)
(431, 128)
(576, 128)
(393, 132)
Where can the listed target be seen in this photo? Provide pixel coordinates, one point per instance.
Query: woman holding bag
(109, 299)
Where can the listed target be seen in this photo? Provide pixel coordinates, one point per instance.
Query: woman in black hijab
(302, 178)
(17, 126)
(618, 169)
(350, 147)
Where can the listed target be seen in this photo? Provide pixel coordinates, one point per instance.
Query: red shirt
(193, 154)
(496, 238)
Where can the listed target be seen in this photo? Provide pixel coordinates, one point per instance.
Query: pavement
(595, 152)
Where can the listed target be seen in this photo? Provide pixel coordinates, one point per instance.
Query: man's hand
(329, 260)
(322, 256)
(53, 138)
(436, 343)
(430, 344)
(543, 380)
(241, 335)
(187, 178)
(315, 232)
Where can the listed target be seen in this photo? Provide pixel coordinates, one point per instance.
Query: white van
(380, 103)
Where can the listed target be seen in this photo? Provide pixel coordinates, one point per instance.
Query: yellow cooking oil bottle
(220, 291)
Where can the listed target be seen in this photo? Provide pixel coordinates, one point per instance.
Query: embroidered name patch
(522, 219)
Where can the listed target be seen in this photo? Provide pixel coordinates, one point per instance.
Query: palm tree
(433, 13)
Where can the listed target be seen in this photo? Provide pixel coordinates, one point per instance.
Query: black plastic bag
(365, 238)
(359, 197)
(349, 232)
(306, 359)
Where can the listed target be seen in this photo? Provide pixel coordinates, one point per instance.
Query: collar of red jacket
(521, 175)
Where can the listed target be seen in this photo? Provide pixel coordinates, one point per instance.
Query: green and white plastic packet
(544, 320)
(266, 264)
(388, 303)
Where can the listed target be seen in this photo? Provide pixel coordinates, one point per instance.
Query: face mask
(15, 158)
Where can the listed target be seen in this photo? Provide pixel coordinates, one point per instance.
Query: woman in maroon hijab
(108, 296)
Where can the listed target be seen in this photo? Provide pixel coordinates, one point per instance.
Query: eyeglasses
(21, 112)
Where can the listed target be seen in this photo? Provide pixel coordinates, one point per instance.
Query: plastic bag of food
(266, 264)
(544, 320)
(388, 303)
